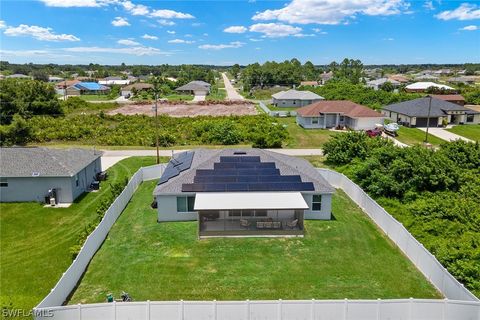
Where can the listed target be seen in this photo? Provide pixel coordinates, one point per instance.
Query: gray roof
(419, 107)
(381, 81)
(17, 75)
(296, 95)
(288, 165)
(44, 162)
(195, 85)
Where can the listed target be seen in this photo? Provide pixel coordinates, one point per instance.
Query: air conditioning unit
(52, 202)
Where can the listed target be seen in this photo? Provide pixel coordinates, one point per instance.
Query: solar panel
(180, 163)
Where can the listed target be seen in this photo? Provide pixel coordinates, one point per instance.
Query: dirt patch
(189, 109)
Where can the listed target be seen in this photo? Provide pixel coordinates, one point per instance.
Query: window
(342, 118)
(234, 213)
(314, 120)
(317, 202)
(185, 204)
(260, 213)
(3, 182)
(470, 117)
(76, 180)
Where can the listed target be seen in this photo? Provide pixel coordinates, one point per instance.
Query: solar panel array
(244, 173)
(176, 165)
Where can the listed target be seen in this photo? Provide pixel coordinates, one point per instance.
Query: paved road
(232, 93)
(444, 134)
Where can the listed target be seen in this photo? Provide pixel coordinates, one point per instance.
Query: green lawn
(35, 241)
(343, 258)
(304, 138)
(217, 93)
(96, 97)
(179, 97)
(273, 108)
(470, 131)
(413, 136)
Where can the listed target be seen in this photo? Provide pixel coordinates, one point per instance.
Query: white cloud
(149, 37)
(75, 3)
(136, 9)
(137, 51)
(171, 32)
(388, 39)
(39, 33)
(331, 11)
(164, 22)
(170, 14)
(235, 29)
(470, 28)
(429, 5)
(2, 24)
(128, 42)
(120, 22)
(180, 41)
(275, 30)
(32, 54)
(466, 11)
(235, 44)
(255, 40)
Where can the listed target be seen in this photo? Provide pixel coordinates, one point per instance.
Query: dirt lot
(189, 109)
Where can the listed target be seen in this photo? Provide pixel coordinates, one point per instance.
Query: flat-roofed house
(415, 113)
(29, 174)
(294, 98)
(246, 192)
(332, 113)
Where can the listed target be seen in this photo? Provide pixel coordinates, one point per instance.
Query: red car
(374, 132)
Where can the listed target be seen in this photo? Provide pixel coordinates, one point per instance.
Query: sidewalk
(444, 134)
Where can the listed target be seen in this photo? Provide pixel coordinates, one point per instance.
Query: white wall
(326, 209)
(367, 123)
(167, 209)
(36, 188)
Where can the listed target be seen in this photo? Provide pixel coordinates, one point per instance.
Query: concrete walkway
(232, 93)
(444, 134)
(395, 141)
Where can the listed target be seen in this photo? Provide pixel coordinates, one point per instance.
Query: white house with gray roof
(294, 98)
(246, 192)
(29, 174)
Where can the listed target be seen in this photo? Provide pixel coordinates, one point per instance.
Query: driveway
(232, 93)
(199, 97)
(444, 134)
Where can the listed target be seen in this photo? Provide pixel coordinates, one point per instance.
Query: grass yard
(343, 258)
(413, 136)
(179, 97)
(35, 241)
(304, 138)
(216, 94)
(471, 131)
(96, 97)
(273, 108)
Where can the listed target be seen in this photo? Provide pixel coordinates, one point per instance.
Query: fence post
(345, 309)
(79, 311)
(410, 308)
(248, 310)
(148, 310)
(181, 310)
(214, 304)
(114, 310)
(312, 310)
(279, 309)
(444, 308)
(378, 308)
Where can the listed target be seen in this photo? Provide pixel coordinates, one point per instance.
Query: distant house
(18, 76)
(453, 98)
(31, 174)
(66, 83)
(128, 90)
(310, 84)
(198, 88)
(424, 86)
(326, 76)
(414, 113)
(54, 79)
(87, 88)
(332, 113)
(426, 77)
(294, 98)
(242, 192)
(464, 79)
(109, 81)
(378, 83)
(399, 78)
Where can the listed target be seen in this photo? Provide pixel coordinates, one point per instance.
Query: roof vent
(239, 152)
(35, 174)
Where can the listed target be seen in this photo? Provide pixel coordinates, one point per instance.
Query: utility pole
(156, 126)
(428, 117)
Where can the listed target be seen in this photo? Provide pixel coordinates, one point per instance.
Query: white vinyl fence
(414, 250)
(276, 113)
(462, 306)
(70, 278)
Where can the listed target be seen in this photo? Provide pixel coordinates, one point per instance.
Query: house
(424, 86)
(426, 77)
(310, 84)
(414, 113)
(378, 83)
(130, 89)
(32, 174)
(294, 98)
(18, 76)
(442, 72)
(471, 80)
(453, 98)
(198, 88)
(326, 76)
(399, 78)
(110, 81)
(333, 113)
(61, 86)
(54, 79)
(87, 88)
(242, 192)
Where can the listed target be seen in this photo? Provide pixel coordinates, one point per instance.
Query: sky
(229, 32)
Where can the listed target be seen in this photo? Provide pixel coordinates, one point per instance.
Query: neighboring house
(423, 86)
(443, 72)
(242, 192)
(294, 98)
(332, 113)
(28, 174)
(414, 113)
(61, 86)
(378, 83)
(140, 86)
(426, 77)
(198, 88)
(399, 78)
(109, 81)
(87, 88)
(464, 80)
(453, 98)
(326, 76)
(54, 79)
(310, 84)
(18, 76)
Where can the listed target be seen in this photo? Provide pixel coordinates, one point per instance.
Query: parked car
(374, 132)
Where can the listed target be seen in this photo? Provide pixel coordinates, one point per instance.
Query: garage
(422, 122)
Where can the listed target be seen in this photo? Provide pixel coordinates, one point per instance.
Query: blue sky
(228, 32)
